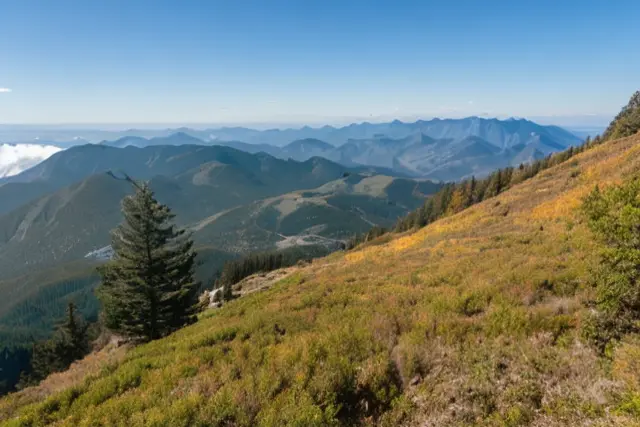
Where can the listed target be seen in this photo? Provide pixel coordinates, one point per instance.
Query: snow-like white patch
(102, 254)
(19, 157)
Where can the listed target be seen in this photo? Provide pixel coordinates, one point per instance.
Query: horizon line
(284, 125)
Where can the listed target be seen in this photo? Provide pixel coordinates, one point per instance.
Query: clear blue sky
(207, 61)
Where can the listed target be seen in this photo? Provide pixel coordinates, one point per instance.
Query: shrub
(613, 216)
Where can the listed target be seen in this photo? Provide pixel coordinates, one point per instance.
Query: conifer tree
(148, 289)
(74, 333)
(69, 343)
(471, 192)
(494, 186)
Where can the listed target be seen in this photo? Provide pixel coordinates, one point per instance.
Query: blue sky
(308, 61)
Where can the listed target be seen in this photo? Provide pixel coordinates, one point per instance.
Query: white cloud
(17, 158)
(4, 90)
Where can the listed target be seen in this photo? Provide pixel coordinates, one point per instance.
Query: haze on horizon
(316, 62)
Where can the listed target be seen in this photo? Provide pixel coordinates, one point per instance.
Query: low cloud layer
(4, 90)
(17, 158)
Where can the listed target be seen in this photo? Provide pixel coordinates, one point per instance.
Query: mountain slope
(195, 181)
(437, 149)
(326, 216)
(473, 320)
(441, 159)
(77, 163)
(49, 248)
(303, 149)
(70, 223)
(178, 138)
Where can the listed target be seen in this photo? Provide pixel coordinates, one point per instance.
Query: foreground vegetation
(475, 319)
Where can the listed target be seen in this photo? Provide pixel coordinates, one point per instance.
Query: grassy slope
(471, 320)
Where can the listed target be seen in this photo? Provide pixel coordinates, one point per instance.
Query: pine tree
(471, 192)
(495, 184)
(74, 333)
(148, 289)
(69, 343)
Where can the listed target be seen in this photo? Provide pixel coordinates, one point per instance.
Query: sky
(308, 61)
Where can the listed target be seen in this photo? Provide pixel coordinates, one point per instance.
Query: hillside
(49, 248)
(76, 219)
(217, 200)
(472, 320)
(326, 216)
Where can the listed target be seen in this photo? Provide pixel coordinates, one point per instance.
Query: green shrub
(613, 216)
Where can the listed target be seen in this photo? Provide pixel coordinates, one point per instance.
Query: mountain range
(437, 149)
(55, 218)
(84, 186)
(449, 149)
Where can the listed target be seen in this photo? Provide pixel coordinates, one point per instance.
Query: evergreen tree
(494, 187)
(69, 343)
(148, 289)
(627, 122)
(471, 192)
(74, 334)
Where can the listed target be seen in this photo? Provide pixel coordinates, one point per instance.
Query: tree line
(455, 197)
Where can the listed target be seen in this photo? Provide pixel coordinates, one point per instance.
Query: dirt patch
(262, 281)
